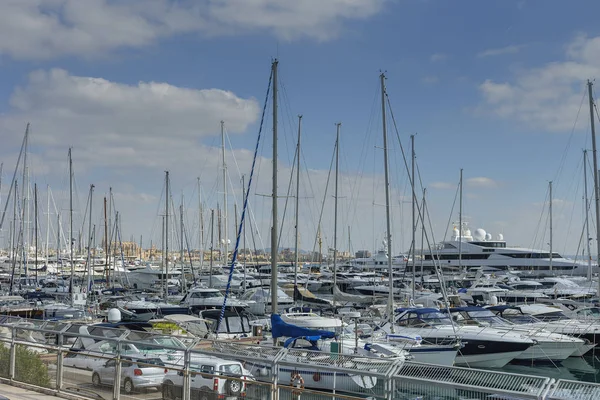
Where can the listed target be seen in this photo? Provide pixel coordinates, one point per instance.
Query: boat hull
(445, 357)
(549, 351)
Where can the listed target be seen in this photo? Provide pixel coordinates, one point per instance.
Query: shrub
(29, 367)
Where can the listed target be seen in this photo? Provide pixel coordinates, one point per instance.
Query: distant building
(362, 254)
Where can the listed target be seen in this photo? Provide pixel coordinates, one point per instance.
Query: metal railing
(104, 363)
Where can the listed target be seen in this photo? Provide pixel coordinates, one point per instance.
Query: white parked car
(211, 378)
(135, 374)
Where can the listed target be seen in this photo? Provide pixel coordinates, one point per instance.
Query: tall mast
(387, 205)
(200, 227)
(244, 231)
(225, 244)
(89, 246)
(15, 239)
(587, 222)
(71, 226)
(25, 212)
(550, 208)
(35, 216)
(212, 245)
(335, 207)
(181, 247)
(414, 218)
(274, 240)
(297, 204)
(47, 223)
(596, 190)
(58, 243)
(106, 246)
(110, 228)
(1, 170)
(166, 270)
(460, 227)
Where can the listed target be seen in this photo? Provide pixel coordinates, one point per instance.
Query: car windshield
(149, 362)
(231, 369)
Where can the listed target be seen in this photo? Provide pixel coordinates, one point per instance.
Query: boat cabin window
(424, 319)
(520, 318)
(554, 316)
(490, 244)
(205, 295)
(487, 317)
(589, 312)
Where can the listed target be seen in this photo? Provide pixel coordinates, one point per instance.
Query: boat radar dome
(479, 234)
(114, 315)
(488, 236)
(500, 236)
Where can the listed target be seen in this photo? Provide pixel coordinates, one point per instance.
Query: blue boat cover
(280, 328)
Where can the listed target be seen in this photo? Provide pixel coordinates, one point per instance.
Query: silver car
(135, 374)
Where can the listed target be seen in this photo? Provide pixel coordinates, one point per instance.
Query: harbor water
(585, 369)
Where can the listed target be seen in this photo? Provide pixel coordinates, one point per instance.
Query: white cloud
(438, 57)
(443, 185)
(38, 29)
(430, 79)
(125, 136)
(512, 49)
(481, 182)
(549, 96)
(105, 116)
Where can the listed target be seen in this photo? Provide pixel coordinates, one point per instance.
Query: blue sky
(492, 87)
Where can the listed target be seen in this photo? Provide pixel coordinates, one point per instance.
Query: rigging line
(250, 209)
(287, 198)
(12, 182)
(577, 184)
(451, 212)
(239, 232)
(324, 199)
(85, 213)
(311, 190)
(358, 183)
(563, 158)
(158, 206)
(538, 228)
(195, 282)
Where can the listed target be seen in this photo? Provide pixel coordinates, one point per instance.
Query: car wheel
(234, 387)
(206, 393)
(96, 379)
(128, 386)
(167, 390)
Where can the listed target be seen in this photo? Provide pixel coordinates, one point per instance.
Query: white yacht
(209, 298)
(477, 250)
(550, 346)
(484, 347)
(552, 319)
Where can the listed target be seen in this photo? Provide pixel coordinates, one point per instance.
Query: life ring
(316, 377)
(297, 383)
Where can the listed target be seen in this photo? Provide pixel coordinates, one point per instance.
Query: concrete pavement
(16, 393)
